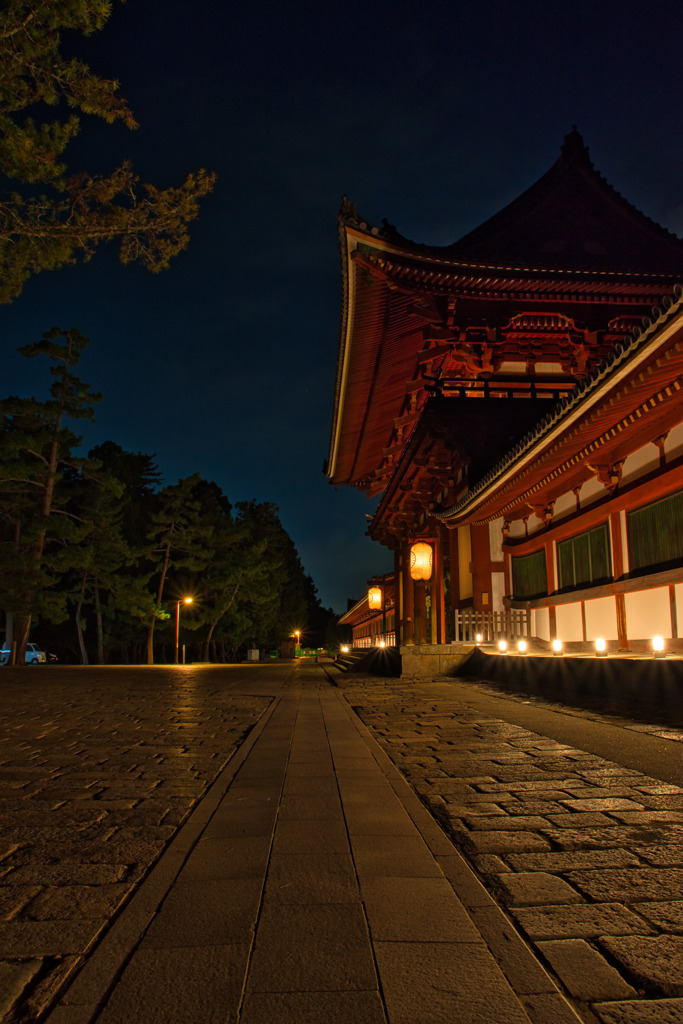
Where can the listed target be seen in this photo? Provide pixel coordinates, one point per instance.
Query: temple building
(514, 402)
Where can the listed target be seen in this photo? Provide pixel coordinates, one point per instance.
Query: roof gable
(570, 218)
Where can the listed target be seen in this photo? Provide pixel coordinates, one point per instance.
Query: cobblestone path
(98, 768)
(585, 855)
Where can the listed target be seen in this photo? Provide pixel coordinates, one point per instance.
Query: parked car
(34, 655)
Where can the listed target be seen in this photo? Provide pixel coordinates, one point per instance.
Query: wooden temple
(514, 401)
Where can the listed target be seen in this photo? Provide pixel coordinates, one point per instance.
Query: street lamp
(183, 600)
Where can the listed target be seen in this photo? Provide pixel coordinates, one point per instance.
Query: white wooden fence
(491, 626)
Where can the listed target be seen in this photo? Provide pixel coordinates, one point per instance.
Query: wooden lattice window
(584, 559)
(655, 534)
(529, 578)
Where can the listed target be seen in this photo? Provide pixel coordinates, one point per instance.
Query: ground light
(478, 638)
(344, 649)
(600, 648)
(557, 647)
(658, 646)
(382, 643)
(503, 646)
(521, 646)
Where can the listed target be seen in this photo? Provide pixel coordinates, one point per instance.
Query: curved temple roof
(569, 244)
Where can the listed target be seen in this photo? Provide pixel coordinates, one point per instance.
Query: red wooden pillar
(551, 587)
(398, 598)
(408, 598)
(419, 612)
(454, 558)
(617, 572)
(481, 567)
(438, 595)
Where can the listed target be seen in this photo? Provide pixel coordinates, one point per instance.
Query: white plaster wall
(565, 505)
(678, 592)
(517, 529)
(648, 614)
(497, 591)
(496, 539)
(540, 625)
(510, 367)
(568, 622)
(535, 524)
(640, 462)
(591, 491)
(673, 446)
(464, 560)
(552, 368)
(601, 618)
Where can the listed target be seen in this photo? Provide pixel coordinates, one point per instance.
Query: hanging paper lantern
(375, 598)
(421, 559)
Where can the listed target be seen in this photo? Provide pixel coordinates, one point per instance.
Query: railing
(491, 626)
(376, 640)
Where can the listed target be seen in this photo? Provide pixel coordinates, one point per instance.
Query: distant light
(382, 643)
(479, 638)
(557, 647)
(600, 647)
(344, 649)
(502, 646)
(188, 600)
(521, 646)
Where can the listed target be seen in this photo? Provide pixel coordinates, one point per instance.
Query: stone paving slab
(586, 854)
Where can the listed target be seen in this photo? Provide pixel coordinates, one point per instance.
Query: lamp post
(183, 600)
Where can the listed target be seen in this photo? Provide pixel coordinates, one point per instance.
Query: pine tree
(37, 444)
(178, 539)
(50, 216)
(96, 562)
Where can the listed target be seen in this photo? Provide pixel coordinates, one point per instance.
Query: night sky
(432, 114)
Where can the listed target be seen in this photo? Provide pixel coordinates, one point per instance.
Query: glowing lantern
(375, 598)
(421, 558)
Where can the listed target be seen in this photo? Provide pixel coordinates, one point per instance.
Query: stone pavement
(585, 854)
(310, 886)
(98, 769)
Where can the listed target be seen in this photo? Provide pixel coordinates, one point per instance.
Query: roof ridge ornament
(574, 145)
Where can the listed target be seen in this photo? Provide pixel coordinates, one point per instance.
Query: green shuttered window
(655, 534)
(584, 559)
(529, 576)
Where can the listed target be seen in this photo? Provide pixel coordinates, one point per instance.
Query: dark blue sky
(432, 114)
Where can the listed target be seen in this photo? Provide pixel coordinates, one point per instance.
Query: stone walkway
(203, 845)
(311, 886)
(586, 855)
(98, 769)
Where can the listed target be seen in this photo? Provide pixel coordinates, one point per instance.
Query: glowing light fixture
(421, 561)
(478, 638)
(658, 646)
(521, 646)
(557, 647)
(600, 648)
(375, 598)
(502, 646)
(183, 600)
(382, 643)
(344, 649)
